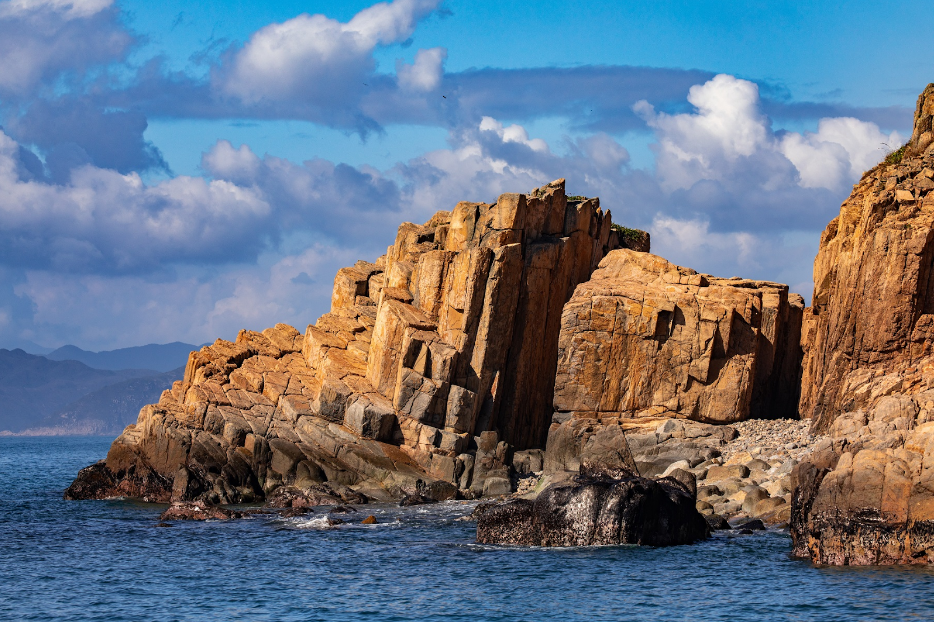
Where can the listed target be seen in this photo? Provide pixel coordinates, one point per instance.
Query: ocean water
(107, 560)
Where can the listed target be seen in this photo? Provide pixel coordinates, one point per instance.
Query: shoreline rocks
(645, 340)
(866, 493)
(527, 345)
(198, 511)
(598, 507)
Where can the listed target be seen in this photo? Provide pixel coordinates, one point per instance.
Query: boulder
(716, 522)
(196, 510)
(597, 508)
(644, 337)
(653, 358)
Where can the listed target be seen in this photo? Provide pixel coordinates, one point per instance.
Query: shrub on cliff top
(895, 157)
(625, 233)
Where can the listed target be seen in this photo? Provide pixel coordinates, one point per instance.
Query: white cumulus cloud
(425, 73)
(104, 221)
(316, 56)
(839, 152)
(729, 135)
(513, 134)
(71, 9)
(41, 39)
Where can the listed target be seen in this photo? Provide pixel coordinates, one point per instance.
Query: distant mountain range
(73, 391)
(110, 409)
(160, 357)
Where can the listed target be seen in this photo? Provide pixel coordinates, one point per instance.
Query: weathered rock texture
(435, 364)
(644, 338)
(867, 495)
(873, 305)
(597, 508)
(923, 135)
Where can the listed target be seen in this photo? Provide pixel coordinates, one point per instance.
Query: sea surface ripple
(108, 561)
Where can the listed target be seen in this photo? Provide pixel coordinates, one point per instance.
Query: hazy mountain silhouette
(160, 357)
(33, 388)
(110, 409)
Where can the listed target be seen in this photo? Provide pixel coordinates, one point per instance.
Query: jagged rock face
(873, 305)
(433, 365)
(923, 135)
(597, 508)
(866, 496)
(644, 338)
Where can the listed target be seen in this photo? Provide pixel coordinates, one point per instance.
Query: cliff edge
(866, 496)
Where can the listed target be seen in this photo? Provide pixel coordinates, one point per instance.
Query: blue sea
(108, 560)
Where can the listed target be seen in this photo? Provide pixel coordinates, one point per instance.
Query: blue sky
(171, 171)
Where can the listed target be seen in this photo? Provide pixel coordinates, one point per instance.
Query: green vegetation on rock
(895, 157)
(625, 233)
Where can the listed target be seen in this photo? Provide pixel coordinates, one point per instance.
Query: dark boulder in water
(198, 510)
(415, 498)
(717, 522)
(98, 481)
(596, 508)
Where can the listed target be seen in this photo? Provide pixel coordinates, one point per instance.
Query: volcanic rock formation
(646, 339)
(434, 366)
(867, 495)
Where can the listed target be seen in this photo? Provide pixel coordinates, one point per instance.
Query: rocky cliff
(433, 371)
(867, 494)
(873, 304)
(645, 340)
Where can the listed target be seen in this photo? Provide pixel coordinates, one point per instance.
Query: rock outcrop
(433, 369)
(866, 495)
(598, 507)
(197, 510)
(645, 340)
(873, 304)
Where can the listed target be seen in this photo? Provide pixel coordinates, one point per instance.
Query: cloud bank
(90, 253)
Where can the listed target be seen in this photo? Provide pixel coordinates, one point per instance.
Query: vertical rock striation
(435, 364)
(873, 304)
(866, 496)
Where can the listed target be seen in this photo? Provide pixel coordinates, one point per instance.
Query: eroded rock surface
(645, 340)
(598, 507)
(873, 304)
(644, 337)
(197, 510)
(434, 365)
(866, 495)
